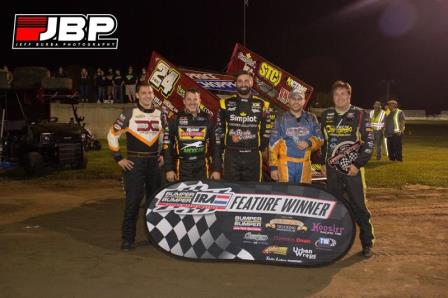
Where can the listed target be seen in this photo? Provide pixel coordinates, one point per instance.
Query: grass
(425, 151)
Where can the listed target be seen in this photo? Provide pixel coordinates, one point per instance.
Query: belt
(294, 159)
(142, 154)
(248, 150)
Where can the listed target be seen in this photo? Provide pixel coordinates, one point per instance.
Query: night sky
(365, 42)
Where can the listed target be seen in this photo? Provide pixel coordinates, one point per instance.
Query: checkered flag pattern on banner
(193, 236)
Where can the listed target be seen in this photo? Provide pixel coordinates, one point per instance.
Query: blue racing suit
(293, 164)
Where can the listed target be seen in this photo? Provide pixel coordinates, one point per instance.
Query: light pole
(245, 4)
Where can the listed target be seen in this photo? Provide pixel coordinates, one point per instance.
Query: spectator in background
(60, 73)
(130, 81)
(395, 125)
(142, 75)
(118, 84)
(100, 85)
(377, 119)
(84, 85)
(110, 86)
(8, 74)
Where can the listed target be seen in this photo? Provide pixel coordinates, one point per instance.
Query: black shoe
(367, 251)
(127, 245)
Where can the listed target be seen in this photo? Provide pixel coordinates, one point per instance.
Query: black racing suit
(144, 129)
(186, 144)
(243, 129)
(352, 126)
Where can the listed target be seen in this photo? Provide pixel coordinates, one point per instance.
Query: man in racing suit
(242, 130)
(144, 129)
(187, 141)
(343, 126)
(295, 135)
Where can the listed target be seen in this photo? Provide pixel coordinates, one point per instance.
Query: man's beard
(243, 90)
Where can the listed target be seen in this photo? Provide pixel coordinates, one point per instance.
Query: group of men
(388, 125)
(193, 147)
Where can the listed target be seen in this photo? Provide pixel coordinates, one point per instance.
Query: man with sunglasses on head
(295, 135)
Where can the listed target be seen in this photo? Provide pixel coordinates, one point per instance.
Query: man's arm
(274, 144)
(366, 135)
(323, 155)
(402, 121)
(119, 126)
(169, 142)
(265, 126)
(316, 140)
(215, 154)
(219, 132)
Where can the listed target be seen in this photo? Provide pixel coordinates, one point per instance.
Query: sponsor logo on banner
(287, 225)
(197, 196)
(254, 203)
(255, 238)
(325, 243)
(327, 229)
(304, 253)
(270, 73)
(277, 250)
(64, 31)
(297, 240)
(247, 223)
(282, 260)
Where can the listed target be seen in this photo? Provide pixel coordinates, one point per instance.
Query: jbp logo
(63, 31)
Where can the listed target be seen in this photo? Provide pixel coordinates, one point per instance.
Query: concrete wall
(98, 117)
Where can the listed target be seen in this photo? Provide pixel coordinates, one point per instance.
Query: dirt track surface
(63, 242)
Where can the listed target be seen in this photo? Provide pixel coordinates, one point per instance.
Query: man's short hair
(140, 85)
(341, 84)
(393, 101)
(191, 90)
(244, 72)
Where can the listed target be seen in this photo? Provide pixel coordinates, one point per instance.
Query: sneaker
(98, 101)
(367, 251)
(127, 245)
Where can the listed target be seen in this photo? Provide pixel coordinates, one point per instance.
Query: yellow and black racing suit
(342, 131)
(186, 146)
(243, 129)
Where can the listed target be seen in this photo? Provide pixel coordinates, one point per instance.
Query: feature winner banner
(272, 82)
(170, 83)
(273, 223)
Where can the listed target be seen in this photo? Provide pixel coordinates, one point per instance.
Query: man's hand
(302, 145)
(160, 161)
(126, 164)
(171, 176)
(275, 175)
(323, 170)
(353, 170)
(215, 175)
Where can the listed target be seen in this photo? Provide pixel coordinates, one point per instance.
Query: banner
(273, 223)
(271, 82)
